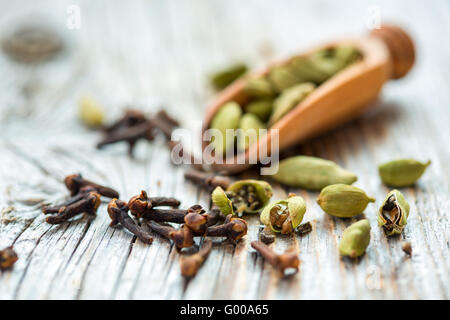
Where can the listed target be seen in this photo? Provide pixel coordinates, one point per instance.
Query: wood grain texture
(153, 53)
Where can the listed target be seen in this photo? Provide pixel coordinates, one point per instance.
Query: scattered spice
(233, 229)
(207, 180)
(7, 258)
(118, 212)
(142, 206)
(88, 203)
(190, 265)
(304, 228)
(134, 126)
(91, 113)
(75, 182)
(32, 44)
(282, 262)
(407, 248)
(182, 238)
(266, 236)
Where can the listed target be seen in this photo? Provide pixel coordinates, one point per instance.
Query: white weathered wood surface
(152, 53)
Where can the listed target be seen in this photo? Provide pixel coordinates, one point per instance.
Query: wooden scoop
(388, 53)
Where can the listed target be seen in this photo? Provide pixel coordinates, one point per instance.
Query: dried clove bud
(233, 229)
(89, 204)
(287, 260)
(32, 44)
(196, 219)
(182, 238)
(80, 195)
(7, 258)
(189, 265)
(131, 118)
(75, 182)
(118, 212)
(142, 203)
(165, 123)
(130, 135)
(207, 180)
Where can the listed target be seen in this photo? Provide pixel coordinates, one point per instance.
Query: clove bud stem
(89, 203)
(118, 212)
(287, 260)
(75, 182)
(190, 265)
(207, 180)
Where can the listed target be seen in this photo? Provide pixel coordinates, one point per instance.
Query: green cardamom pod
(259, 88)
(402, 172)
(307, 70)
(355, 239)
(312, 173)
(261, 108)
(250, 125)
(226, 118)
(223, 78)
(243, 196)
(344, 201)
(284, 215)
(282, 78)
(91, 113)
(290, 98)
(393, 213)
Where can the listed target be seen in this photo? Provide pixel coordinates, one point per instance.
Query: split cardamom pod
(393, 213)
(243, 196)
(402, 172)
(261, 108)
(344, 201)
(91, 113)
(259, 88)
(223, 78)
(312, 173)
(284, 215)
(227, 117)
(250, 125)
(355, 239)
(288, 99)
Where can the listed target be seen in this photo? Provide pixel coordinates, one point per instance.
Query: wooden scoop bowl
(388, 53)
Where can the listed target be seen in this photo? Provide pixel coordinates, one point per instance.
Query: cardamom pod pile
(272, 95)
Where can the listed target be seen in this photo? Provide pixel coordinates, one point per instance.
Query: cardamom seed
(344, 201)
(282, 78)
(393, 213)
(250, 125)
(290, 98)
(284, 215)
(355, 239)
(226, 118)
(223, 78)
(259, 88)
(91, 113)
(402, 172)
(243, 196)
(312, 173)
(261, 108)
